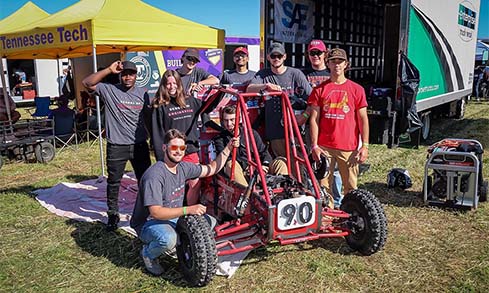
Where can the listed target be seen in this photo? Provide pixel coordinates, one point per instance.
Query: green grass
(427, 249)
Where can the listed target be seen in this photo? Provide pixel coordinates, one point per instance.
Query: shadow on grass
(394, 196)
(24, 189)
(79, 178)
(119, 248)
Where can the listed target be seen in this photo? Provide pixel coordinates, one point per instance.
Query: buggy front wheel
(196, 251)
(367, 222)
(44, 152)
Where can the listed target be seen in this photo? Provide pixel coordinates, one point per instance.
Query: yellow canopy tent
(92, 27)
(24, 16)
(110, 26)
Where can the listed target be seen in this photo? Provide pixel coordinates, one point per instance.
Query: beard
(172, 159)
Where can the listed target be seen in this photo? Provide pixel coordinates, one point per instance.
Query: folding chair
(65, 129)
(42, 107)
(88, 129)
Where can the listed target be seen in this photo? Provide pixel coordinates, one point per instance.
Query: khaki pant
(347, 165)
(277, 167)
(278, 148)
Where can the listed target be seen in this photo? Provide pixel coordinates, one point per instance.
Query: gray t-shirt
(197, 74)
(160, 187)
(124, 121)
(237, 79)
(294, 82)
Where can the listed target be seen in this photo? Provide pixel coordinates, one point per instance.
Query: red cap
(241, 50)
(316, 45)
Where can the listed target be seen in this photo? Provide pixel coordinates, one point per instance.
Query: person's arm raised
(216, 165)
(90, 82)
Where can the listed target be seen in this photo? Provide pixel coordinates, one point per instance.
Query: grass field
(427, 250)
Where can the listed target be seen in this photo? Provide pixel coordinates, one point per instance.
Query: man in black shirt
(228, 121)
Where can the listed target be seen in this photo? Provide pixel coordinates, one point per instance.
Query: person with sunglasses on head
(279, 78)
(193, 77)
(339, 122)
(240, 76)
(172, 109)
(161, 194)
(125, 129)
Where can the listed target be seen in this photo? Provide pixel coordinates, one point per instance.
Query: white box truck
(437, 36)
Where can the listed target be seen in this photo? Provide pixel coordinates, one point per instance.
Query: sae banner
(294, 20)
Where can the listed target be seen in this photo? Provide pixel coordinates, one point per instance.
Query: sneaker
(171, 253)
(112, 223)
(152, 265)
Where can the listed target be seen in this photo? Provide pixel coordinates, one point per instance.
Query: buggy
(283, 209)
(27, 140)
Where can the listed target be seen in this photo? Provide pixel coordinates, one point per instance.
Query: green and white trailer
(438, 37)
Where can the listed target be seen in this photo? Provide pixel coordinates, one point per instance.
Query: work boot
(152, 265)
(171, 253)
(112, 223)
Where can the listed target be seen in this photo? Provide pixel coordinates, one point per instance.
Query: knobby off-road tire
(368, 222)
(197, 253)
(483, 191)
(44, 152)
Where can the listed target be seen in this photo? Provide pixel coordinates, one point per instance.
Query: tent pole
(97, 102)
(60, 85)
(5, 96)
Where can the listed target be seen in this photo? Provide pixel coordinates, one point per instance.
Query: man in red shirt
(338, 122)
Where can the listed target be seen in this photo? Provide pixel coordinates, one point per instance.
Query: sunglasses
(315, 53)
(240, 56)
(175, 148)
(192, 59)
(276, 56)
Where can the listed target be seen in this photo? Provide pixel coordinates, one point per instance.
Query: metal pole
(5, 96)
(97, 101)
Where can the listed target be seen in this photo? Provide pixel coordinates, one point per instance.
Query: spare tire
(44, 152)
(367, 222)
(196, 251)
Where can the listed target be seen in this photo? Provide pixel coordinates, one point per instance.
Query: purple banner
(210, 60)
(241, 41)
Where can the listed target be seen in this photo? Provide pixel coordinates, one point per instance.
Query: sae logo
(466, 21)
(144, 70)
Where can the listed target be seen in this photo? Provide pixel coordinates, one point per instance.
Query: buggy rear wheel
(367, 222)
(44, 152)
(196, 251)
(483, 191)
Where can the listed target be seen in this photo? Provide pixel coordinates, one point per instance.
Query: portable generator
(456, 178)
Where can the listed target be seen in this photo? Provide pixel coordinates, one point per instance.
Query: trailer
(436, 37)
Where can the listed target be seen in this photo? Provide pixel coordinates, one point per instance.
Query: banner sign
(151, 65)
(294, 20)
(72, 35)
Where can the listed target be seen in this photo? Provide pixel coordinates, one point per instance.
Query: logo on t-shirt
(336, 99)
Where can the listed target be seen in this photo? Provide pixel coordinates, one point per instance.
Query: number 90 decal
(296, 212)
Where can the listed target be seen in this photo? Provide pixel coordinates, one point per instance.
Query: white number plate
(296, 212)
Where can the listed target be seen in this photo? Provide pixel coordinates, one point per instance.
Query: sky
(237, 17)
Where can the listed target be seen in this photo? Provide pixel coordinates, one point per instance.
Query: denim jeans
(117, 157)
(159, 236)
(336, 188)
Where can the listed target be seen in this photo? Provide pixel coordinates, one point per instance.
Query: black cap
(192, 52)
(128, 65)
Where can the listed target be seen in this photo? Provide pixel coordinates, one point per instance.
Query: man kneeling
(228, 121)
(160, 198)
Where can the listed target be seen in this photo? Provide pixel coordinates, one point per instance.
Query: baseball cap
(128, 65)
(240, 50)
(276, 48)
(192, 52)
(316, 45)
(337, 53)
